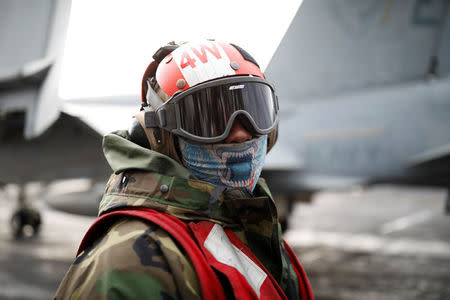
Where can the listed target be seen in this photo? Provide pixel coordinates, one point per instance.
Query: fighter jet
(38, 142)
(364, 91)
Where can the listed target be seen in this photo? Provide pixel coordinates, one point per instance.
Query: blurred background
(361, 169)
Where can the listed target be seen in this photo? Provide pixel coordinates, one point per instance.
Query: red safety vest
(210, 245)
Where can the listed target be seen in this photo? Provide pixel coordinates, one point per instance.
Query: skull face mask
(232, 165)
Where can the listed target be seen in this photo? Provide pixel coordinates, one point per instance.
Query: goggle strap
(154, 119)
(150, 119)
(163, 52)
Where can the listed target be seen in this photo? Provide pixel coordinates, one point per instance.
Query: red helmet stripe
(194, 63)
(245, 67)
(168, 74)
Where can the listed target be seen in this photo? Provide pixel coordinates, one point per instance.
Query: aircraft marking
(343, 133)
(387, 11)
(406, 221)
(421, 8)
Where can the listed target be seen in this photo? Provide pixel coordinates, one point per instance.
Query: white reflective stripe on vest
(225, 252)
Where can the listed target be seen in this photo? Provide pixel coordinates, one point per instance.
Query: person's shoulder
(129, 242)
(132, 255)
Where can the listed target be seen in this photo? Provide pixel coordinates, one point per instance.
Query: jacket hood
(122, 155)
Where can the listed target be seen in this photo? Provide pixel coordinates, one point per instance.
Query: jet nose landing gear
(26, 221)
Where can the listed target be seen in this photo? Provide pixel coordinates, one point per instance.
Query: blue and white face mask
(232, 165)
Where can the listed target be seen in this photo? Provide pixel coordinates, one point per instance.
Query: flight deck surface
(380, 243)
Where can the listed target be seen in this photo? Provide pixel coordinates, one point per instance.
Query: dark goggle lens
(206, 112)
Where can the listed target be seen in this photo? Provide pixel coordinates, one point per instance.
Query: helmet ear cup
(272, 139)
(137, 134)
(160, 140)
(157, 139)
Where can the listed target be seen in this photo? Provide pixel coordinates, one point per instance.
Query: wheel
(25, 223)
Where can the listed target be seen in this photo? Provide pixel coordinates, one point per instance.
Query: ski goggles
(205, 113)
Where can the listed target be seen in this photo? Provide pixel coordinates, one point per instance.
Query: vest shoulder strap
(178, 230)
(305, 286)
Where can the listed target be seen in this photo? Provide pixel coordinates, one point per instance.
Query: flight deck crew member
(185, 214)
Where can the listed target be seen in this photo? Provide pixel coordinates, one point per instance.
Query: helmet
(178, 88)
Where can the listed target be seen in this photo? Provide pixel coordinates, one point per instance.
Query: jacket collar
(145, 178)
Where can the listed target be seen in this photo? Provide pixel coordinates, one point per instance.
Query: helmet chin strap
(214, 198)
(160, 140)
(152, 97)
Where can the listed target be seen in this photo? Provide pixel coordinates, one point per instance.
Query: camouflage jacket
(135, 259)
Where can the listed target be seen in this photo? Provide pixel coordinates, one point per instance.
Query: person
(185, 214)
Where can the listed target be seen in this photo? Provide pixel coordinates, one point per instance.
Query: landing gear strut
(289, 205)
(285, 205)
(447, 203)
(26, 220)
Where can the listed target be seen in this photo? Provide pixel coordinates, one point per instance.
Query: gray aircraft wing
(345, 72)
(333, 47)
(37, 141)
(438, 155)
(434, 161)
(32, 36)
(32, 73)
